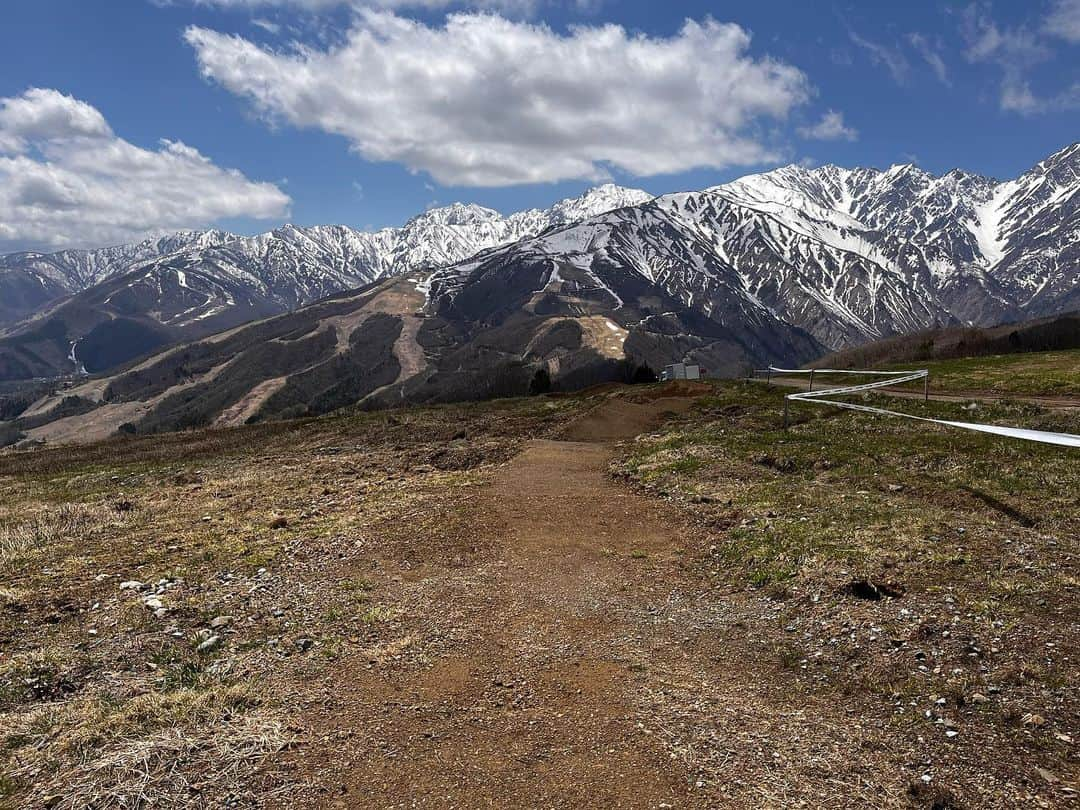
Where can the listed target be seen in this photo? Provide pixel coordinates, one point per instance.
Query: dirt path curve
(957, 396)
(533, 703)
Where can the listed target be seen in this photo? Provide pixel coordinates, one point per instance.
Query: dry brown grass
(105, 704)
(154, 750)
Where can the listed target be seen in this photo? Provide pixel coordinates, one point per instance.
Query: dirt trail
(535, 705)
(560, 649)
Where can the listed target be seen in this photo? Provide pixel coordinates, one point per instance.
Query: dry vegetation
(1037, 373)
(861, 611)
(923, 579)
(163, 601)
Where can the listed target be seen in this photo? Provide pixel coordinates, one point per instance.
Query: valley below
(631, 596)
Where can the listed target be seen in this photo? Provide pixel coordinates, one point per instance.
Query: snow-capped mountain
(776, 267)
(858, 254)
(29, 281)
(132, 299)
(849, 255)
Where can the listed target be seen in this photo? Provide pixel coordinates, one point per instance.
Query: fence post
(785, 414)
(768, 380)
(926, 387)
(811, 379)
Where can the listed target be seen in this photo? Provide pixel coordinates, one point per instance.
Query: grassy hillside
(1058, 333)
(271, 613)
(1032, 374)
(1035, 373)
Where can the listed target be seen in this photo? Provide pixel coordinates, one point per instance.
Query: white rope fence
(899, 378)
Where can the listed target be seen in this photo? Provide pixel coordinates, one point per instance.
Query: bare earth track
(573, 656)
(533, 708)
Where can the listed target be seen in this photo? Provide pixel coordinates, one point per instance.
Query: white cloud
(1015, 51)
(485, 101)
(66, 180)
(931, 55)
(831, 127)
(1064, 20)
(892, 58)
(269, 26)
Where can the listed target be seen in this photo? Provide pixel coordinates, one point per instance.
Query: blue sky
(531, 103)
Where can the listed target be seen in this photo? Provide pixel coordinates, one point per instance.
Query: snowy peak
(1063, 165)
(198, 282)
(599, 200)
(847, 254)
(466, 214)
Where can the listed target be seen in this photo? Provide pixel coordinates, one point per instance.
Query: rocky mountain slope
(30, 281)
(504, 330)
(849, 256)
(138, 298)
(855, 255)
(939, 250)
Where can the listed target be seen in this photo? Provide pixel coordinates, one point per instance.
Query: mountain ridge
(223, 280)
(781, 266)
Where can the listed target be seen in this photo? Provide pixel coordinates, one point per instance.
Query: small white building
(681, 371)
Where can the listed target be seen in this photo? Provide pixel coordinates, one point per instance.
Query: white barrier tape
(900, 377)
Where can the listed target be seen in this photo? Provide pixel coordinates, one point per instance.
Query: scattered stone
(161, 613)
(221, 621)
(209, 645)
(131, 585)
(1035, 720)
(303, 643)
(896, 487)
(279, 523)
(1047, 776)
(153, 603)
(980, 698)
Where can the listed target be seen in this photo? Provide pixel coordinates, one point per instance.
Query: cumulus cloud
(486, 101)
(66, 180)
(831, 127)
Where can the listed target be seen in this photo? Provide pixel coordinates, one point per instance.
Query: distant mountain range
(97, 309)
(776, 267)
